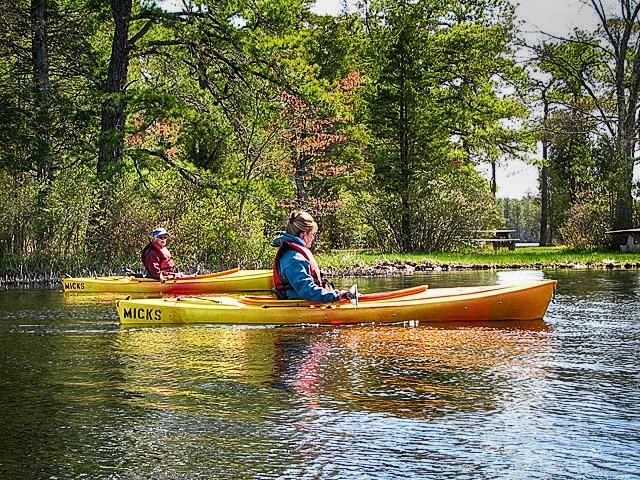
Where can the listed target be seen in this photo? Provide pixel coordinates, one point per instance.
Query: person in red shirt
(156, 257)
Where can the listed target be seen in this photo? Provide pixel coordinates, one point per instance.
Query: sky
(555, 17)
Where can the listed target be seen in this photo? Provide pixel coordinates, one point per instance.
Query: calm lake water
(552, 399)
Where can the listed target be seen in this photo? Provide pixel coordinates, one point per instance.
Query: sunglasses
(162, 237)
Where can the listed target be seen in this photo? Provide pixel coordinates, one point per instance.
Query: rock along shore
(399, 268)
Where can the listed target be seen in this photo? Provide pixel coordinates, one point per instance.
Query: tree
(544, 235)
(434, 102)
(222, 45)
(569, 131)
(46, 79)
(310, 137)
(612, 82)
(523, 215)
(113, 115)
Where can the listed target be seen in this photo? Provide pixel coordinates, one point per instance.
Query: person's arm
(299, 276)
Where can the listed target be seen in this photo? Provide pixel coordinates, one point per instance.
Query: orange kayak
(528, 301)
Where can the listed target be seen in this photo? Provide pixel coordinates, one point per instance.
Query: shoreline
(402, 268)
(381, 268)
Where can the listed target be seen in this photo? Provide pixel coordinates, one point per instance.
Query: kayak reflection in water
(156, 257)
(296, 274)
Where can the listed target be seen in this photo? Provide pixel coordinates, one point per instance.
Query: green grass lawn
(538, 256)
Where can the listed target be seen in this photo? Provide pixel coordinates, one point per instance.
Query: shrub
(442, 210)
(586, 222)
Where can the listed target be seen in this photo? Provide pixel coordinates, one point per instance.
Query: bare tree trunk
(544, 203)
(42, 159)
(40, 59)
(494, 183)
(624, 204)
(405, 170)
(625, 45)
(112, 124)
(622, 188)
(301, 194)
(621, 47)
(114, 106)
(405, 204)
(544, 180)
(299, 174)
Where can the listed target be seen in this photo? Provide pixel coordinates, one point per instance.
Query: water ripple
(557, 398)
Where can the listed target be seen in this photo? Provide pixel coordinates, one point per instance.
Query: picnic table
(632, 235)
(497, 238)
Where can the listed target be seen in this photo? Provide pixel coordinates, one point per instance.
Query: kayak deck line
(404, 295)
(266, 302)
(362, 298)
(185, 279)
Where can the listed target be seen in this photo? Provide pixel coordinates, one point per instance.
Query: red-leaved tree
(311, 138)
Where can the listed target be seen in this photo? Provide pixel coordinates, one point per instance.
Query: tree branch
(189, 175)
(161, 15)
(141, 33)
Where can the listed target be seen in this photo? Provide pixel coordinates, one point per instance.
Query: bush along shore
(362, 264)
(388, 268)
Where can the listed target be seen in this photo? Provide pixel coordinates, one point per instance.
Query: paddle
(354, 294)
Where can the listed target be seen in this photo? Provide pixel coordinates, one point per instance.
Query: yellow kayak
(527, 301)
(234, 280)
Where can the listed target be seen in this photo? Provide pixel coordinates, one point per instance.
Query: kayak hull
(489, 303)
(234, 280)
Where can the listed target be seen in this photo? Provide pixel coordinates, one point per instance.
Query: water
(551, 399)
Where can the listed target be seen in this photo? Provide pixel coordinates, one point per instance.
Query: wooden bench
(500, 238)
(632, 239)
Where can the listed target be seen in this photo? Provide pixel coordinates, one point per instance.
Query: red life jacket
(279, 286)
(166, 262)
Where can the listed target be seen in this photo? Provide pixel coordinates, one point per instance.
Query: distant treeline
(215, 119)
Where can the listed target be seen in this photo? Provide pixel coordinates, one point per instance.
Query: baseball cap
(159, 231)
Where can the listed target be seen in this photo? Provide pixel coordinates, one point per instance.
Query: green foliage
(597, 76)
(350, 225)
(397, 105)
(578, 164)
(335, 45)
(16, 213)
(435, 104)
(212, 236)
(445, 208)
(521, 215)
(586, 223)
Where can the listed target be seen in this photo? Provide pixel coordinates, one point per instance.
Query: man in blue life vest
(156, 257)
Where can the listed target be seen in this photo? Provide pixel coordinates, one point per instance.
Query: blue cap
(159, 231)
